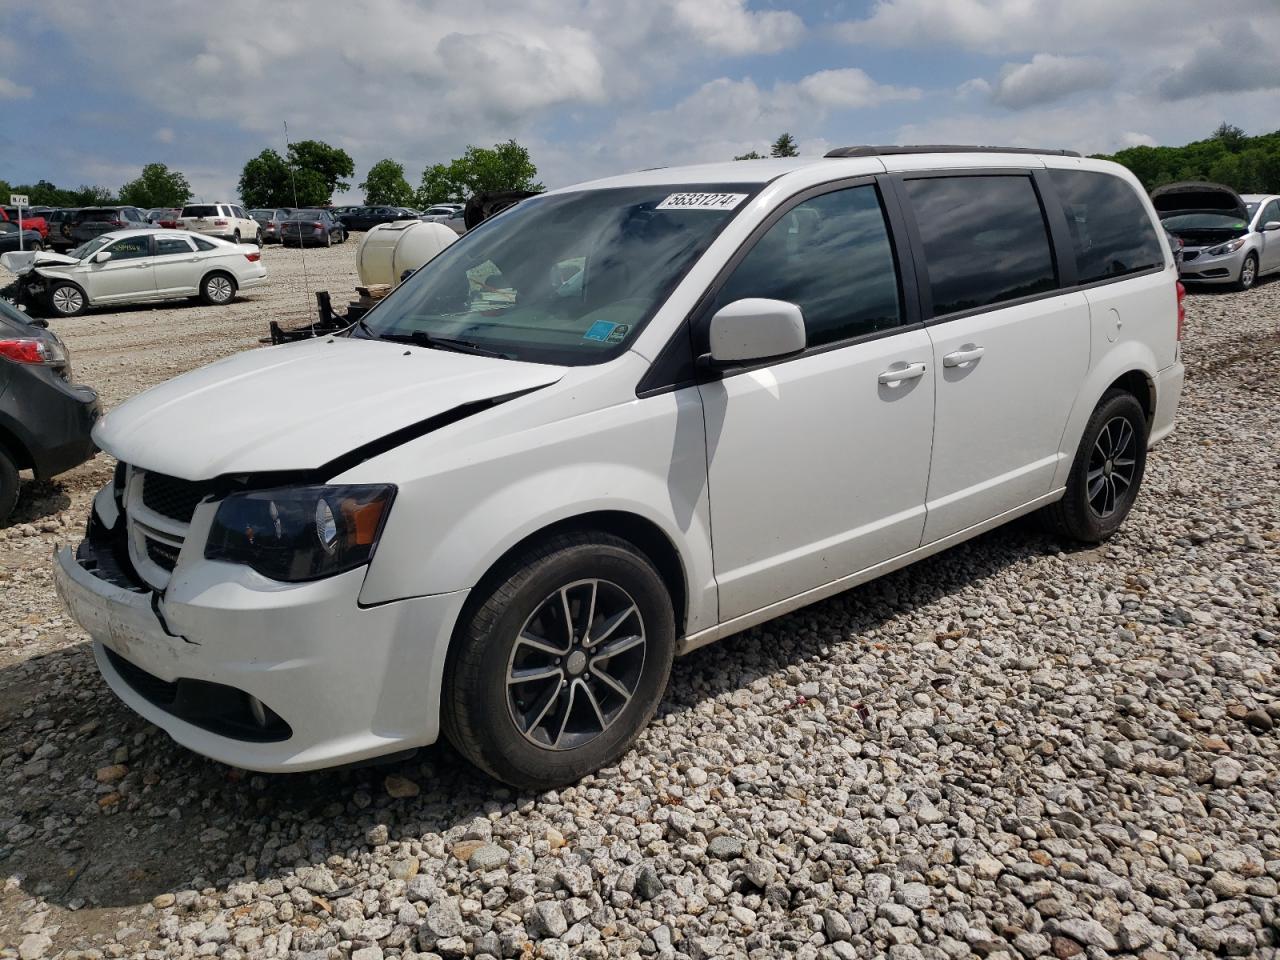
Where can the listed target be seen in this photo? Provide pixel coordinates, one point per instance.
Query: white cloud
(1048, 77)
(1131, 138)
(851, 88)
(13, 91)
(726, 25)
(164, 135)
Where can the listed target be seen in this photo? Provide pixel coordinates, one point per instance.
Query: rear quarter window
(1111, 232)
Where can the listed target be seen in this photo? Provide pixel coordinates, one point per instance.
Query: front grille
(162, 554)
(172, 497)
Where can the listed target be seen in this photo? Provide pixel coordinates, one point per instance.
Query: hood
(21, 262)
(1198, 197)
(300, 406)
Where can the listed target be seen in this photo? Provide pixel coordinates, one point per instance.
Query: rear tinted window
(985, 240)
(97, 213)
(208, 210)
(1111, 232)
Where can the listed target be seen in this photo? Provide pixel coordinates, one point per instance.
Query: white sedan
(137, 266)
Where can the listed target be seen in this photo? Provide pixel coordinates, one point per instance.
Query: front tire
(67, 300)
(218, 289)
(1106, 473)
(1248, 273)
(235, 237)
(560, 662)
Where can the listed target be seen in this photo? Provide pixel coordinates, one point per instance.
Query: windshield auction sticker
(701, 201)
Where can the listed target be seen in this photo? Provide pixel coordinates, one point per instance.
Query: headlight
(1231, 246)
(300, 533)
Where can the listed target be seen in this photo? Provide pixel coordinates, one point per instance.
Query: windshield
(1205, 221)
(92, 247)
(1251, 207)
(568, 278)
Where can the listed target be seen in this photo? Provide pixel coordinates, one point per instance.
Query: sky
(90, 90)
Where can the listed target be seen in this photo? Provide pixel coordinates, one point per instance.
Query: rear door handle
(908, 371)
(966, 354)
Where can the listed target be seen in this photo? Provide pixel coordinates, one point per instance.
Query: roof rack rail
(891, 151)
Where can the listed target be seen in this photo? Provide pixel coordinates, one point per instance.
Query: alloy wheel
(1112, 463)
(68, 300)
(1248, 272)
(220, 289)
(576, 664)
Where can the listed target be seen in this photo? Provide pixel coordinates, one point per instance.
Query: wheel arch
(642, 533)
(16, 448)
(1130, 366)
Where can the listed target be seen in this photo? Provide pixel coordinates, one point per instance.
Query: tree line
(1246, 164)
(309, 175)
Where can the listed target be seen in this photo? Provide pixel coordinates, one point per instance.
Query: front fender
(462, 507)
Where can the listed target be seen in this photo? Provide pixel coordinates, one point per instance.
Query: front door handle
(966, 354)
(909, 371)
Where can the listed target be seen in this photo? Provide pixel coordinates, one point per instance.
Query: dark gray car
(92, 222)
(45, 418)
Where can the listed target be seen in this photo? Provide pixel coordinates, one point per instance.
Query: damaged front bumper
(258, 674)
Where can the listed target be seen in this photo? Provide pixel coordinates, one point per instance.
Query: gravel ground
(1009, 750)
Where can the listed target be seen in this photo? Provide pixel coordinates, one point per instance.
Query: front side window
(1111, 231)
(130, 248)
(1270, 214)
(831, 256)
(985, 240)
(563, 278)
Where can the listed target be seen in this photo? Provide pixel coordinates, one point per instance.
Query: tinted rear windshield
(98, 213)
(200, 211)
(568, 278)
(305, 215)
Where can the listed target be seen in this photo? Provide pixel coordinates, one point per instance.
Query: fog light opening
(258, 710)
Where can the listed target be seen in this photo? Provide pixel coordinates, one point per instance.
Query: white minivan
(612, 424)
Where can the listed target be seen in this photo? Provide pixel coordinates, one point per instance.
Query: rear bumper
(1168, 392)
(333, 682)
(55, 424)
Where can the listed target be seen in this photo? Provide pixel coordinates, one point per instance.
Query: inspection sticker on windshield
(600, 330)
(701, 201)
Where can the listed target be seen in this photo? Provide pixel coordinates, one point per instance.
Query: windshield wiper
(423, 339)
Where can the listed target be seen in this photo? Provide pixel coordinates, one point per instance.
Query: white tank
(389, 249)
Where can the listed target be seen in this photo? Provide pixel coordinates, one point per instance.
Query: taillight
(30, 350)
(253, 257)
(219, 223)
(317, 224)
(117, 223)
(1182, 309)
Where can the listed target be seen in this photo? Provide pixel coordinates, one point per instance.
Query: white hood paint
(21, 261)
(299, 406)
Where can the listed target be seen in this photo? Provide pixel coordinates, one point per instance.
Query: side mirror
(1271, 225)
(756, 329)
(102, 256)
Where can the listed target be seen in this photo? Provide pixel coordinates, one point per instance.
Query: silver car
(1227, 238)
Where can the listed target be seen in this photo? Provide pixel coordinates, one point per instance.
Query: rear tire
(218, 289)
(1248, 273)
(584, 700)
(8, 485)
(66, 300)
(1106, 473)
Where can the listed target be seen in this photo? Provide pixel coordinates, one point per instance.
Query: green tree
(333, 164)
(158, 186)
(505, 166)
(385, 184)
(90, 196)
(1229, 156)
(753, 155)
(784, 146)
(264, 181)
(1232, 137)
(5, 190)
